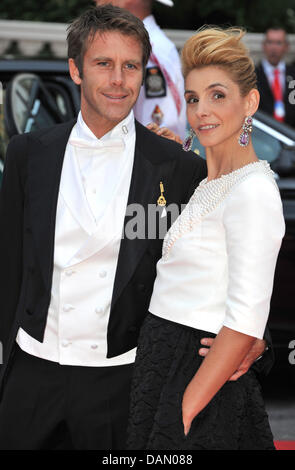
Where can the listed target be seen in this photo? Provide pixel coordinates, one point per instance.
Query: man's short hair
(101, 19)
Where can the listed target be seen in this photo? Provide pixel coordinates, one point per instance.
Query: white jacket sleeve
(254, 226)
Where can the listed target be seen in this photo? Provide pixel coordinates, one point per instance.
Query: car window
(32, 104)
(266, 146)
(34, 101)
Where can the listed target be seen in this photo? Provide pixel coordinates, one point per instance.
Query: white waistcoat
(85, 262)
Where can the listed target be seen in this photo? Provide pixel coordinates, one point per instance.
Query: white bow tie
(115, 145)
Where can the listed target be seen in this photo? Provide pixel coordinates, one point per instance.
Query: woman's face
(215, 108)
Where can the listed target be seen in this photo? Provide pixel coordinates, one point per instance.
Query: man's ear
(143, 75)
(74, 72)
(252, 102)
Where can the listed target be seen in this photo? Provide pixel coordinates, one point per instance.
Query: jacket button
(132, 329)
(29, 312)
(141, 287)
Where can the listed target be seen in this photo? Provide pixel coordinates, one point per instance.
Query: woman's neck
(221, 162)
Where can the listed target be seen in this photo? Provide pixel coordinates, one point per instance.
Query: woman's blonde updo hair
(212, 45)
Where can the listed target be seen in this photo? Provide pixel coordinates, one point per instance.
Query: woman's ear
(252, 102)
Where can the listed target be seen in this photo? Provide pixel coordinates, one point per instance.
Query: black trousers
(46, 405)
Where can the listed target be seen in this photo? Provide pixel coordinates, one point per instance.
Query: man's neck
(144, 15)
(140, 12)
(274, 65)
(99, 127)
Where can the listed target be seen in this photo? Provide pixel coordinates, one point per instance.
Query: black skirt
(167, 359)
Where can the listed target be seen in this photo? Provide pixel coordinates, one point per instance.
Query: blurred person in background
(274, 75)
(161, 98)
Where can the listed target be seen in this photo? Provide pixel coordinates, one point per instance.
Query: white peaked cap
(169, 3)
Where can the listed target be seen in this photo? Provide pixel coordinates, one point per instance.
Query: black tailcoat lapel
(148, 170)
(44, 173)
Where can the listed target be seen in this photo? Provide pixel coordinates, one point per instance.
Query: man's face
(112, 77)
(275, 46)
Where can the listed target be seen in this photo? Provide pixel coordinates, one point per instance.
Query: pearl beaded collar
(207, 196)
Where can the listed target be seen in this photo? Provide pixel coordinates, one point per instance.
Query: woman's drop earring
(244, 137)
(188, 142)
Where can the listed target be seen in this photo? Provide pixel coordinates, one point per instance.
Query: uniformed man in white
(161, 99)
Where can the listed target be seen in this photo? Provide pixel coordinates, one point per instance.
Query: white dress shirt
(269, 72)
(91, 207)
(168, 57)
(219, 256)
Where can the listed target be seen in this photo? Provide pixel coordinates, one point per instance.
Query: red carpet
(285, 445)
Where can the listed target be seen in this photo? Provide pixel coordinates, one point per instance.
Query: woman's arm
(225, 355)
(259, 353)
(254, 226)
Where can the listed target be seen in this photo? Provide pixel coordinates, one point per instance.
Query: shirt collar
(270, 68)
(124, 129)
(149, 22)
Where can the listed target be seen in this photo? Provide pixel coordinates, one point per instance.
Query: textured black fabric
(48, 406)
(167, 359)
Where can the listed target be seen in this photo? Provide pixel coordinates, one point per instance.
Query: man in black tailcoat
(275, 78)
(73, 291)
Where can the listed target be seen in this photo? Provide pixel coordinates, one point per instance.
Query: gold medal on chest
(161, 200)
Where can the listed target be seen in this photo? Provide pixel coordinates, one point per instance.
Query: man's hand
(255, 352)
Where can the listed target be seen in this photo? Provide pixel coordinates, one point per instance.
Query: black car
(40, 93)
(36, 94)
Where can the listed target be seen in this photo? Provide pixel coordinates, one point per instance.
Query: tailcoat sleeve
(11, 233)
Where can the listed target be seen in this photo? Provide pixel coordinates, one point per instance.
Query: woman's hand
(255, 353)
(187, 411)
(164, 132)
(223, 359)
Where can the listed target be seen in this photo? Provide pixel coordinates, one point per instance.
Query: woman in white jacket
(215, 277)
